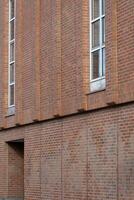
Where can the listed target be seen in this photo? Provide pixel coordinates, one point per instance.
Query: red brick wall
(125, 49)
(3, 168)
(52, 59)
(87, 156)
(32, 165)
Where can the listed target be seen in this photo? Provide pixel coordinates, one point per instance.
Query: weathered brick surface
(80, 157)
(32, 166)
(86, 156)
(48, 58)
(52, 59)
(125, 50)
(102, 155)
(126, 155)
(74, 159)
(51, 161)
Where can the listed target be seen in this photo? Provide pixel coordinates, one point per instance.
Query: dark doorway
(16, 169)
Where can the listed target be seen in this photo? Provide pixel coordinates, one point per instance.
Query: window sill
(10, 111)
(97, 85)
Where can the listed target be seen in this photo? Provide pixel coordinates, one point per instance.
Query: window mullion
(12, 19)
(11, 41)
(96, 19)
(95, 49)
(12, 62)
(90, 17)
(100, 47)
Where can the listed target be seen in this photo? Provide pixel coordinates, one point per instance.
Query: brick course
(52, 59)
(85, 156)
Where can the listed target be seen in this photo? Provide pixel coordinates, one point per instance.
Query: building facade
(66, 100)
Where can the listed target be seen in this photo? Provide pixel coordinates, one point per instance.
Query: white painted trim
(11, 110)
(9, 43)
(100, 80)
(90, 36)
(98, 85)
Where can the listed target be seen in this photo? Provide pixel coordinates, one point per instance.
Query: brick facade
(77, 145)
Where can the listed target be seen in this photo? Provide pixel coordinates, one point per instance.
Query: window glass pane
(12, 73)
(103, 62)
(95, 64)
(103, 7)
(103, 30)
(12, 52)
(11, 9)
(12, 30)
(95, 9)
(95, 34)
(11, 95)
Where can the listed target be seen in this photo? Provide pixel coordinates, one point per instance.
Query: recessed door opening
(16, 169)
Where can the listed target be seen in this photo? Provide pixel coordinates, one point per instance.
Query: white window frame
(11, 106)
(97, 83)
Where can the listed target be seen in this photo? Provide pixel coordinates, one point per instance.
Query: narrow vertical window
(97, 44)
(11, 69)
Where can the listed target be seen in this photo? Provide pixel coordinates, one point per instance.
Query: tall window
(11, 70)
(97, 42)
